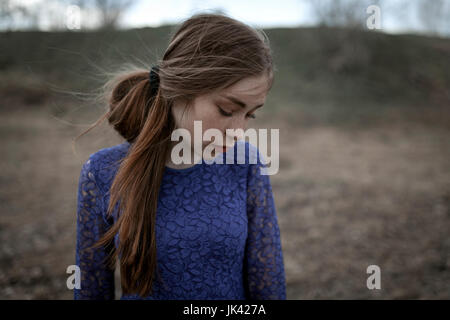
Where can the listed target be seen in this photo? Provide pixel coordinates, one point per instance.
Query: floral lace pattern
(216, 230)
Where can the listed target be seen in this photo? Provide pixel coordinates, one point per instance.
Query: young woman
(183, 231)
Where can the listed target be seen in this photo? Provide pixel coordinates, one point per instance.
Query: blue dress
(217, 233)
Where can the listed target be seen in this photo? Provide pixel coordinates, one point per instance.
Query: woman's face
(230, 108)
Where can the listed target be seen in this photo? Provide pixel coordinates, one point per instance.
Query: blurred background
(361, 98)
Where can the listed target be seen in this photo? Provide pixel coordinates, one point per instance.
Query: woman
(185, 231)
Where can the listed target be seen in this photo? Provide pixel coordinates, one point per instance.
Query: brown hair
(207, 52)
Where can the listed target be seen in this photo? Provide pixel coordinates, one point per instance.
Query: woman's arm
(264, 267)
(97, 280)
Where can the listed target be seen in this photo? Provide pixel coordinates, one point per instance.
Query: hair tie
(154, 80)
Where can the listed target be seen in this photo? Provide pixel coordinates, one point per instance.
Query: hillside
(326, 73)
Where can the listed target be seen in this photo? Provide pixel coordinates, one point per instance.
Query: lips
(223, 148)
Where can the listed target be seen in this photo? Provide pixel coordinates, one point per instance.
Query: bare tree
(12, 12)
(435, 16)
(343, 13)
(110, 11)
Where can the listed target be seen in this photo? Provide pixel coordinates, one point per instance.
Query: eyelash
(229, 114)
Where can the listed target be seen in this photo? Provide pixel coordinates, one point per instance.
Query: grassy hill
(345, 199)
(327, 74)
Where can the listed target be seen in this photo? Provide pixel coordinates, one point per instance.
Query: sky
(258, 13)
(261, 13)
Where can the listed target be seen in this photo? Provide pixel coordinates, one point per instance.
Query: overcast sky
(260, 13)
(257, 12)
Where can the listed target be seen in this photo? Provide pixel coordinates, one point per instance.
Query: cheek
(211, 124)
(208, 114)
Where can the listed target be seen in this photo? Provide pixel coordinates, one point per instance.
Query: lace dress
(216, 230)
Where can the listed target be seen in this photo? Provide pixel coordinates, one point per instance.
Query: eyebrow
(239, 102)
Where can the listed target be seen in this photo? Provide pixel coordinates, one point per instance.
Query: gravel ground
(346, 198)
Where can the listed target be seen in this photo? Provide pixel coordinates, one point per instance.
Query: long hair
(207, 52)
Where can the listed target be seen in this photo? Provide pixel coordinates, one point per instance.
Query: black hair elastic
(154, 80)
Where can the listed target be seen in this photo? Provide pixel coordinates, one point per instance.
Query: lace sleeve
(97, 280)
(264, 267)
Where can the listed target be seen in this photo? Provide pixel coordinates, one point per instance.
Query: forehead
(252, 88)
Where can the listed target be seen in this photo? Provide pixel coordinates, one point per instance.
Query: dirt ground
(346, 198)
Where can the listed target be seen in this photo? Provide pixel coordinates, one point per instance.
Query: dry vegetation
(346, 198)
(364, 173)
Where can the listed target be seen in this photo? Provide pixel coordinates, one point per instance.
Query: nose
(235, 133)
(239, 123)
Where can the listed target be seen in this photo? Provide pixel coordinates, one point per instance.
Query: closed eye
(229, 114)
(223, 112)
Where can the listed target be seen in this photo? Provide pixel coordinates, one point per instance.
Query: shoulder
(103, 164)
(108, 156)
